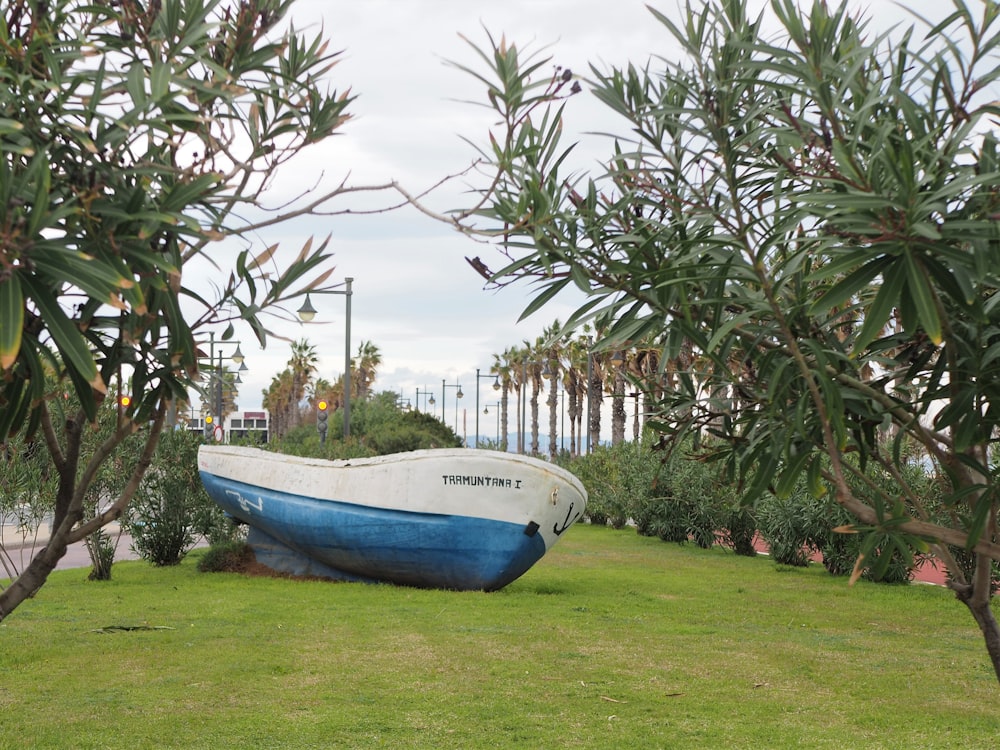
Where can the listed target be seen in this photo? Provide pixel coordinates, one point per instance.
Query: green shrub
(378, 428)
(739, 529)
(676, 498)
(791, 526)
(101, 548)
(171, 503)
(232, 556)
(618, 480)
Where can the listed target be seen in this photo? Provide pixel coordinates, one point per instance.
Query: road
(20, 550)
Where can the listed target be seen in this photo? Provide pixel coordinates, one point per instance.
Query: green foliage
(27, 483)
(801, 212)
(618, 479)
(132, 138)
(84, 175)
(676, 498)
(386, 428)
(172, 508)
(224, 557)
(378, 427)
(792, 525)
(101, 548)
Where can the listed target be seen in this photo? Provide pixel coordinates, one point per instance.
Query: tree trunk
(572, 408)
(535, 387)
(69, 502)
(503, 419)
(32, 577)
(519, 417)
(618, 409)
(553, 404)
(595, 395)
(978, 603)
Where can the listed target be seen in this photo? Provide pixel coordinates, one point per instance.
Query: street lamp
(496, 407)
(496, 387)
(458, 395)
(307, 312)
(425, 393)
(220, 375)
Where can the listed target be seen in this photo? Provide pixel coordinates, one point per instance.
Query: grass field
(611, 641)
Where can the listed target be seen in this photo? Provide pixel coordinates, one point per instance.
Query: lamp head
(307, 312)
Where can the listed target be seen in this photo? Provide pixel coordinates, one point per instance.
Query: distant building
(250, 426)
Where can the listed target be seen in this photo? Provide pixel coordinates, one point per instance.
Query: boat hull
(456, 519)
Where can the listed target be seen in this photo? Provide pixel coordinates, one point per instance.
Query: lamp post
(307, 312)
(458, 395)
(496, 387)
(425, 393)
(486, 410)
(219, 374)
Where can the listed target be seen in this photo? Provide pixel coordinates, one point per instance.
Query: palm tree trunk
(503, 416)
(618, 408)
(535, 387)
(553, 404)
(595, 397)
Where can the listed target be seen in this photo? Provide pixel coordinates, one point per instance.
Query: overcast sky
(415, 297)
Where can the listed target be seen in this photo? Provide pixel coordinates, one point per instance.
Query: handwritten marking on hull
(245, 504)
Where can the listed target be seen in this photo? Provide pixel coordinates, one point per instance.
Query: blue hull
(335, 539)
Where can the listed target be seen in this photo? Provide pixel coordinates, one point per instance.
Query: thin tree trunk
(595, 396)
(534, 414)
(69, 504)
(976, 597)
(618, 408)
(503, 419)
(572, 407)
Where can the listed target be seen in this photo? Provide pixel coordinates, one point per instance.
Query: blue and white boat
(460, 519)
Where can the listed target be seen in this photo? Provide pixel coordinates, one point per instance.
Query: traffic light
(321, 416)
(124, 401)
(208, 425)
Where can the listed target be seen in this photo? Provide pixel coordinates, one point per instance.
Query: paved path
(21, 550)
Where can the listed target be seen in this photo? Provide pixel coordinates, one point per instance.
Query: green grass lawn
(611, 641)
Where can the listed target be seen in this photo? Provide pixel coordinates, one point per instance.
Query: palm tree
(620, 362)
(533, 365)
(368, 360)
(502, 368)
(276, 399)
(575, 354)
(594, 392)
(650, 377)
(518, 375)
(303, 365)
(552, 348)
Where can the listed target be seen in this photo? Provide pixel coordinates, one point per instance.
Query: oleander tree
(135, 139)
(805, 211)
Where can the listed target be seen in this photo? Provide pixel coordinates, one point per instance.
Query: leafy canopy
(806, 222)
(132, 137)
